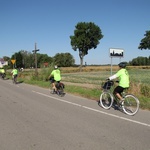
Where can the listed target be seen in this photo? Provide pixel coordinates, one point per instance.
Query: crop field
(96, 77)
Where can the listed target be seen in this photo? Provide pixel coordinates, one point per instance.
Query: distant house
(3, 63)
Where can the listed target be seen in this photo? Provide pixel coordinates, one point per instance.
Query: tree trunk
(81, 60)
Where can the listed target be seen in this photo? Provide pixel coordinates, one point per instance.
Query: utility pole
(35, 59)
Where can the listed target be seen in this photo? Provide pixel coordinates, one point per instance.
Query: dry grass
(88, 69)
(98, 68)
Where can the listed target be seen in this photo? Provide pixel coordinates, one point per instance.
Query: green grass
(92, 94)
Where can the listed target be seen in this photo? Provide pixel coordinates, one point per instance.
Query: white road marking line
(92, 109)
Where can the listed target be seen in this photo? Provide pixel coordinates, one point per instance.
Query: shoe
(58, 93)
(53, 92)
(121, 102)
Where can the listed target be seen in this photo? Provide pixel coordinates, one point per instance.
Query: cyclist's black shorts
(53, 81)
(118, 89)
(15, 76)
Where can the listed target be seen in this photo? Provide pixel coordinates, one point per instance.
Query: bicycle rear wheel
(106, 100)
(130, 105)
(61, 91)
(13, 80)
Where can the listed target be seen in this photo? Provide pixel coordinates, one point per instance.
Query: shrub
(145, 90)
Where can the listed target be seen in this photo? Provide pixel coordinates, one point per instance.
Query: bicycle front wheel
(106, 100)
(51, 90)
(130, 104)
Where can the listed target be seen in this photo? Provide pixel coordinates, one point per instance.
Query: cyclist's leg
(53, 86)
(51, 90)
(15, 78)
(117, 92)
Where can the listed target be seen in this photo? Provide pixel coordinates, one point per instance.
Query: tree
(140, 61)
(26, 59)
(43, 58)
(145, 42)
(64, 59)
(18, 57)
(86, 36)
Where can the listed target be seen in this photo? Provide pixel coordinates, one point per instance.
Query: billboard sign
(116, 52)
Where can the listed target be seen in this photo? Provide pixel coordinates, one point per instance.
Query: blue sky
(49, 23)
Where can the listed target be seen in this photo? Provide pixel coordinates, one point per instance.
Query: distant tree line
(25, 59)
(140, 61)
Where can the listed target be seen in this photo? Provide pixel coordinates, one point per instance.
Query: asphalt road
(33, 119)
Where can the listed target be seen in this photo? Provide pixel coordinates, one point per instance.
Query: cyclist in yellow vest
(55, 77)
(14, 74)
(2, 70)
(123, 76)
(2, 73)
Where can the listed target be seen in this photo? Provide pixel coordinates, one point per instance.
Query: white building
(3, 63)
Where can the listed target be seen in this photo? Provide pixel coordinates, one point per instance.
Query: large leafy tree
(86, 37)
(145, 42)
(43, 58)
(18, 57)
(27, 59)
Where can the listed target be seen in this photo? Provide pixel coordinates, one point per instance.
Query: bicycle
(2, 75)
(129, 105)
(60, 89)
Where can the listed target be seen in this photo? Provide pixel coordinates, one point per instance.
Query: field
(88, 82)
(92, 77)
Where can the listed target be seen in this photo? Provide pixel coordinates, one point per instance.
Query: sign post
(13, 62)
(115, 52)
(35, 58)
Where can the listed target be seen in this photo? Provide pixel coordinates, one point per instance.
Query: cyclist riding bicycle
(14, 74)
(123, 76)
(2, 73)
(55, 77)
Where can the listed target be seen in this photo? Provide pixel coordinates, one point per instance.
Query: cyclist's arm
(51, 75)
(112, 77)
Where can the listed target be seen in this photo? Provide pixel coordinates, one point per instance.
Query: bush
(145, 90)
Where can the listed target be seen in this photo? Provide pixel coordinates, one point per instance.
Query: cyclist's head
(122, 64)
(55, 67)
